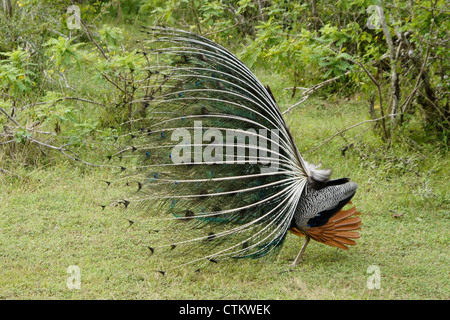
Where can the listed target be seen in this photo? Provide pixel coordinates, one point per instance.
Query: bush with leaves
(16, 75)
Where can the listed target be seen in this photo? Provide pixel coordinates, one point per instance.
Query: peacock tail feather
(207, 159)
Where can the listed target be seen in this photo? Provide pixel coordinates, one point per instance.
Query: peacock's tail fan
(207, 158)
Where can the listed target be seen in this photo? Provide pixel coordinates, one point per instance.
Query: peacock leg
(300, 254)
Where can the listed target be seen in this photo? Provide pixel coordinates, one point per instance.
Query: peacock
(208, 166)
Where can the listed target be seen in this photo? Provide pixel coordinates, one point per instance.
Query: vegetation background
(363, 85)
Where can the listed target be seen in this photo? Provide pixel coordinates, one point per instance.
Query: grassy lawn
(51, 220)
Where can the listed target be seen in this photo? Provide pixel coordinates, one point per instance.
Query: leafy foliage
(77, 84)
(16, 75)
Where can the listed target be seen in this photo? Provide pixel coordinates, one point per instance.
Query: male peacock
(214, 171)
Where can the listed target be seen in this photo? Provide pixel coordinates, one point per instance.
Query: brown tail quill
(338, 231)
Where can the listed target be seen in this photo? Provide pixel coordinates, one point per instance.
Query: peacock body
(210, 166)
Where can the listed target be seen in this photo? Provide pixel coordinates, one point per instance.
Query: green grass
(51, 220)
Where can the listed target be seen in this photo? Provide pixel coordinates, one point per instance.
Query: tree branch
(10, 118)
(309, 91)
(393, 61)
(351, 127)
(10, 173)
